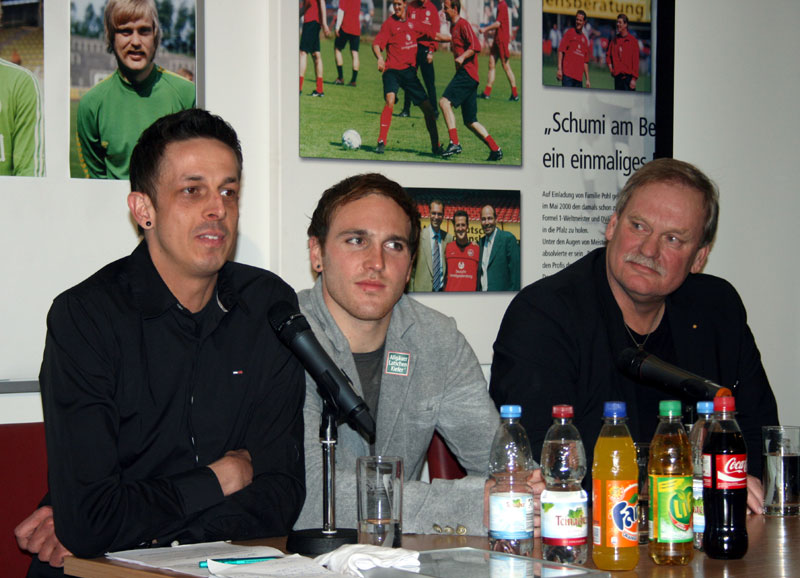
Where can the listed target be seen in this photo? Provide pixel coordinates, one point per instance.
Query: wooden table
(774, 552)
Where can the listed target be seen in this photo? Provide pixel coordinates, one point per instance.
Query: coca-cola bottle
(725, 484)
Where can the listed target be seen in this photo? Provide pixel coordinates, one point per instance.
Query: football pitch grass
(324, 120)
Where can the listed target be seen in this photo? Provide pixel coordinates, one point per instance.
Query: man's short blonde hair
(119, 12)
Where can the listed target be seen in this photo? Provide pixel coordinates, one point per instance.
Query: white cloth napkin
(353, 558)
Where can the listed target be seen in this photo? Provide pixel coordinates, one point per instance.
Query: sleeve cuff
(198, 489)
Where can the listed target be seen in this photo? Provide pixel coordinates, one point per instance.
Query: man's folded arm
(270, 505)
(95, 508)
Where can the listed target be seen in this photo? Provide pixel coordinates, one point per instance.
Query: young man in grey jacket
(415, 370)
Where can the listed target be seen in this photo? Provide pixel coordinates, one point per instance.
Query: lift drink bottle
(670, 475)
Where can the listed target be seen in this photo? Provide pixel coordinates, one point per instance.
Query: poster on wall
(423, 81)
(21, 79)
(132, 62)
(595, 122)
(469, 240)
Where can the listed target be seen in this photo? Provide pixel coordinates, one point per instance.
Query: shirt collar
(152, 295)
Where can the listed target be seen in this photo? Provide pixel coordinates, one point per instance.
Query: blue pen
(204, 563)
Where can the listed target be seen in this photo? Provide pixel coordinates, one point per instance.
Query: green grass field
(599, 76)
(323, 120)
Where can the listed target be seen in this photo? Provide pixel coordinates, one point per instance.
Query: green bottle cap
(670, 407)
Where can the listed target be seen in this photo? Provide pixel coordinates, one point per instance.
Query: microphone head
(286, 320)
(630, 361)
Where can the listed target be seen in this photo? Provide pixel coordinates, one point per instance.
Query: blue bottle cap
(615, 409)
(510, 410)
(705, 407)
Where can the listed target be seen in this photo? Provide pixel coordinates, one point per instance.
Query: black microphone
(639, 364)
(333, 384)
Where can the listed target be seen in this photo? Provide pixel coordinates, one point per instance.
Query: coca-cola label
(731, 470)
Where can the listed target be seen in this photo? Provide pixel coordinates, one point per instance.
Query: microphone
(639, 364)
(334, 386)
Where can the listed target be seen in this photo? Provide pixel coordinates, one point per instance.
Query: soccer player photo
(435, 81)
(598, 48)
(21, 75)
(469, 241)
(132, 63)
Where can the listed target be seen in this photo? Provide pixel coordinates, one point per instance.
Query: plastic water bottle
(564, 502)
(510, 498)
(697, 438)
(670, 478)
(615, 493)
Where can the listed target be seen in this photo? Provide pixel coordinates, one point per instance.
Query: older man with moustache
(561, 336)
(113, 114)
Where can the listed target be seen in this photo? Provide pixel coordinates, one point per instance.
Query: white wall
(736, 83)
(733, 118)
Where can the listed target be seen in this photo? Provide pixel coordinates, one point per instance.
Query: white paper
(186, 558)
(296, 566)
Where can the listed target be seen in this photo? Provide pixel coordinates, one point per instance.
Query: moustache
(644, 262)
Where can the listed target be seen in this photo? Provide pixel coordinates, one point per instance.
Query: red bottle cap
(563, 411)
(727, 403)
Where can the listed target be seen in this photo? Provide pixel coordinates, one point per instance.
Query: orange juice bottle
(615, 493)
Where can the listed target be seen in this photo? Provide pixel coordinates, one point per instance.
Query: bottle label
(622, 521)
(698, 512)
(671, 508)
(564, 521)
(731, 471)
(511, 515)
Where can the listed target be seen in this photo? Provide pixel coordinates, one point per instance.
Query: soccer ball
(351, 140)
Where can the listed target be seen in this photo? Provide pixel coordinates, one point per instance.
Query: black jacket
(561, 336)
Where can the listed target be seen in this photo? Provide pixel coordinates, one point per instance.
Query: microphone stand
(316, 541)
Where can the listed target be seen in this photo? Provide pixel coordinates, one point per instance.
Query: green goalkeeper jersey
(113, 114)
(21, 135)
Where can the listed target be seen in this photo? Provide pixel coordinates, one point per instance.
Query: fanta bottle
(615, 493)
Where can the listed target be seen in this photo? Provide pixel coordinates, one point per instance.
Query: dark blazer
(503, 269)
(560, 337)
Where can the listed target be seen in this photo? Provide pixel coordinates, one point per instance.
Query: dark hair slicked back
(145, 165)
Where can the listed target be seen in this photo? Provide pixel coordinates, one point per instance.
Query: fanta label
(671, 508)
(622, 522)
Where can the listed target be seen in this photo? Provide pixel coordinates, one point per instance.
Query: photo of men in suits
(430, 266)
(499, 259)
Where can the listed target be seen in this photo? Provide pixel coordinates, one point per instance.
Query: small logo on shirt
(397, 363)
(238, 372)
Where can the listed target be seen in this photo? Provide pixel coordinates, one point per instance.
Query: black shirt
(139, 396)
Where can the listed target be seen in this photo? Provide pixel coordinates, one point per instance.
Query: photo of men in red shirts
(623, 56)
(500, 51)
(398, 37)
(573, 55)
(462, 257)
